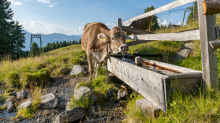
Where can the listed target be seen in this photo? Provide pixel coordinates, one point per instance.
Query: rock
(96, 108)
(10, 107)
(22, 94)
(184, 53)
(109, 93)
(68, 106)
(70, 115)
(77, 69)
(1, 92)
(26, 104)
(49, 101)
(64, 71)
(10, 99)
(9, 104)
(84, 91)
(122, 94)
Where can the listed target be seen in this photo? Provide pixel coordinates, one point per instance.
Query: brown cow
(98, 41)
(143, 24)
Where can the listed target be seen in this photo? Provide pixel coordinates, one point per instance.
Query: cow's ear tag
(103, 39)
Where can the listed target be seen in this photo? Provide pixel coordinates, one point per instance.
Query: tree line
(36, 50)
(11, 33)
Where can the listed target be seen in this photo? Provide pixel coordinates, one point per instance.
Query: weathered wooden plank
(144, 81)
(209, 56)
(180, 36)
(211, 7)
(170, 66)
(215, 44)
(161, 9)
(134, 30)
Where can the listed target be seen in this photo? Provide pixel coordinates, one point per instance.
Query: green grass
(24, 71)
(99, 87)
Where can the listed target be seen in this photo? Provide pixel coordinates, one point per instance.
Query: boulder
(9, 104)
(84, 91)
(22, 94)
(70, 115)
(64, 71)
(49, 101)
(26, 104)
(77, 69)
(122, 94)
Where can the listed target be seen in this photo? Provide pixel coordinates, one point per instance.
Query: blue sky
(70, 16)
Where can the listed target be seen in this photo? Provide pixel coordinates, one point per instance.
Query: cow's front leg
(97, 68)
(91, 68)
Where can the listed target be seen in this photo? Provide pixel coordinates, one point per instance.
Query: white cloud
(53, 4)
(163, 23)
(79, 29)
(44, 1)
(110, 25)
(45, 28)
(16, 2)
(180, 23)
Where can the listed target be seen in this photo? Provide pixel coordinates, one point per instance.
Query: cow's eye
(113, 38)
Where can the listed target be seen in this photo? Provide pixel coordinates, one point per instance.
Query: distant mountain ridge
(49, 38)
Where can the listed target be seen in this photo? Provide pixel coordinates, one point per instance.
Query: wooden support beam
(217, 31)
(215, 44)
(180, 36)
(134, 30)
(211, 7)
(161, 9)
(119, 23)
(209, 56)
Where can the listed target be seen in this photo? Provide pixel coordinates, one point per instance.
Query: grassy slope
(195, 108)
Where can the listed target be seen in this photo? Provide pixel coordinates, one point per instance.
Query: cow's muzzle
(123, 48)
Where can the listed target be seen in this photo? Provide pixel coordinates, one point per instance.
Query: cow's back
(86, 35)
(144, 23)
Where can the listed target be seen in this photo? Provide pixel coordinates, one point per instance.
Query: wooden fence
(207, 34)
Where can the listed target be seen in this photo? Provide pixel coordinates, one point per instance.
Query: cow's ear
(103, 37)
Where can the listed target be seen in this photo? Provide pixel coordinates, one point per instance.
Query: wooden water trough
(155, 80)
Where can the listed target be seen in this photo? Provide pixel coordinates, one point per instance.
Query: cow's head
(116, 40)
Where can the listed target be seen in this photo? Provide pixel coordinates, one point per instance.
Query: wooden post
(211, 7)
(119, 23)
(209, 56)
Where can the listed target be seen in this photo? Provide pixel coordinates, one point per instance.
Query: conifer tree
(190, 17)
(57, 45)
(35, 49)
(11, 36)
